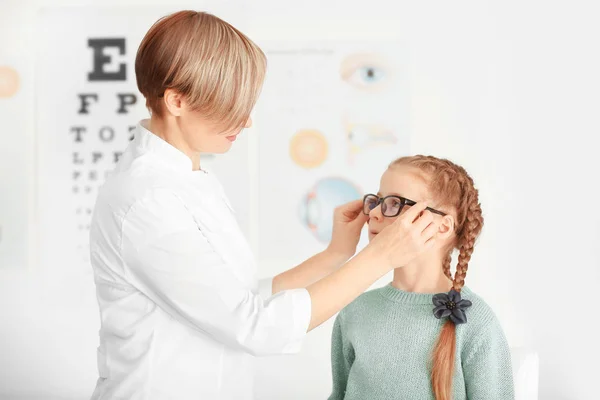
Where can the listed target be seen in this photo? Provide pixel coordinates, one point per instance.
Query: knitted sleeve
(342, 357)
(487, 367)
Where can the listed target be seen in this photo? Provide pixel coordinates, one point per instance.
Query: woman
(181, 310)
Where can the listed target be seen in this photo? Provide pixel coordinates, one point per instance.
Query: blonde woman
(182, 313)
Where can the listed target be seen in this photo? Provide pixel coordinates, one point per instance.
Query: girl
(425, 335)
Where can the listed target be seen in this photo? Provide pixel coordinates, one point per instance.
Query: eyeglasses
(391, 206)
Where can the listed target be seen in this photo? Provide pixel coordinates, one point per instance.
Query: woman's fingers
(406, 220)
(353, 205)
(430, 231)
(423, 221)
(352, 209)
(414, 212)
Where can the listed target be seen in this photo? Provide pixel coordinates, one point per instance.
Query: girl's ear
(446, 228)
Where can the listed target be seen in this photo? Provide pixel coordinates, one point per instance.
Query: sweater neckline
(400, 296)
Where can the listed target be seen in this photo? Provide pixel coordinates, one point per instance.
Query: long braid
(447, 264)
(452, 186)
(469, 232)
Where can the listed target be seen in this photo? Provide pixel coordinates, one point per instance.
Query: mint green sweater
(382, 344)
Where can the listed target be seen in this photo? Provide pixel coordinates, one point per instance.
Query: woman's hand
(395, 246)
(348, 221)
(406, 238)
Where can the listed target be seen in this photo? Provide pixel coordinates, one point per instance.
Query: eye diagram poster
(87, 106)
(331, 117)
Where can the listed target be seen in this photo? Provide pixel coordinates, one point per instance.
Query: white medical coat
(182, 313)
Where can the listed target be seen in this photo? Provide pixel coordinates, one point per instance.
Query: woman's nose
(248, 123)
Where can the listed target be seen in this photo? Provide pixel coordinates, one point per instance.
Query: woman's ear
(173, 102)
(446, 228)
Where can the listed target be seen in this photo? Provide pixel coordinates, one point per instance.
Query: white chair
(526, 367)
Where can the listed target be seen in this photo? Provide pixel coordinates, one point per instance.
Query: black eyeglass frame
(403, 202)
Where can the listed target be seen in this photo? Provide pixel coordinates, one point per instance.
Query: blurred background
(510, 90)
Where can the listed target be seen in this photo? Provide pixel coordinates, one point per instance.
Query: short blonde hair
(214, 66)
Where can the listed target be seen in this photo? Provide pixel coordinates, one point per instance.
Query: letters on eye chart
(101, 122)
(87, 107)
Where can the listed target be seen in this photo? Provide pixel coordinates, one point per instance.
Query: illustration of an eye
(365, 71)
(316, 207)
(308, 148)
(367, 75)
(361, 137)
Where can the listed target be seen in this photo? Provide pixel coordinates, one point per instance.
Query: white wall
(508, 89)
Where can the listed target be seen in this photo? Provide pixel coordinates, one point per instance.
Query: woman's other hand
(348, 221)
(406, 238)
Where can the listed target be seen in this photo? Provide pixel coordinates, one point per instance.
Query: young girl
(425, 335)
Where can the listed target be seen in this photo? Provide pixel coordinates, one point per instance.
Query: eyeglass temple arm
(412, 203)
(436, 211)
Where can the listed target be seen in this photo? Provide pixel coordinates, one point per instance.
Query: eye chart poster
(87, 107)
